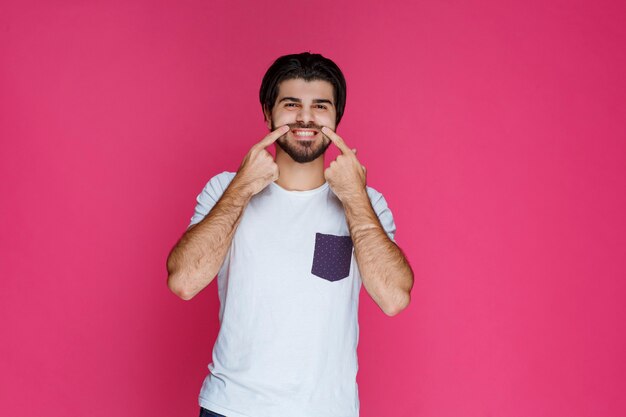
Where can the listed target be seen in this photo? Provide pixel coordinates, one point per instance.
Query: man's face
(306, 106)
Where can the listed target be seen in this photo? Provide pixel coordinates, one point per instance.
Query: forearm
(197, 256)
(385, 272)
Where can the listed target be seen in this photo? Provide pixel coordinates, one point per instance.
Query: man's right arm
(198, 255)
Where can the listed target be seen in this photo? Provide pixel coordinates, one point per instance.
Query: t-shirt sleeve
(210, 195)
(383, 212)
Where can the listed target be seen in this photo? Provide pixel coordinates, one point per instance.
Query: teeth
(301, 133)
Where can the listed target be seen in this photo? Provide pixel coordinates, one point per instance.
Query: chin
(301, 153)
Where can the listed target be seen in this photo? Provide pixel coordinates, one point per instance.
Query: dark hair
(309, 67)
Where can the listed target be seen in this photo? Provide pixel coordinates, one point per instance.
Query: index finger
(337, 140)
(273, 135)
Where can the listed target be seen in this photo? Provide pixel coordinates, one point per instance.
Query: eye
(291, 104)
(321, 106)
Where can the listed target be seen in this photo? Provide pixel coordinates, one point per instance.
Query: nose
(304, 116)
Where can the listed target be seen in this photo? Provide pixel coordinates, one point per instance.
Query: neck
(294, 176)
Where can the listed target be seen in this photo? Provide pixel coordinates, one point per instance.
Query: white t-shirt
(289, 294)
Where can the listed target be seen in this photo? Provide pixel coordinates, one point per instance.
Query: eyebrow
(297, 100)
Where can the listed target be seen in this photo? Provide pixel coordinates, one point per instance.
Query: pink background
(496, 131)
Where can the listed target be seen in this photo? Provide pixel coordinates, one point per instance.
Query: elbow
(176, 281)
(176, 285)
(395, 308)
(401, 300)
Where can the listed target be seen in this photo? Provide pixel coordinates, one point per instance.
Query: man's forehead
(300, 88)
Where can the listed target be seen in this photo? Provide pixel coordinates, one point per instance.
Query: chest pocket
(332, 257)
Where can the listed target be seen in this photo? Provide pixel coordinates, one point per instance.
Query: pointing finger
(273, 135)
(336, 139)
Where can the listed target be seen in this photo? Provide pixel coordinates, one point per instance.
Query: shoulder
(223, 177)
(375, 196)
(220, 181)
(210, 194)
(215, 187)
(382, 210)
(378, 201)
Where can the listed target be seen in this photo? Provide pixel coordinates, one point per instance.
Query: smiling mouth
(304, 134)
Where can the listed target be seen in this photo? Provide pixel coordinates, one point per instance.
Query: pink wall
(496, 131)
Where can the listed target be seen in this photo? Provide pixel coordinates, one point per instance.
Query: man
(291, 243)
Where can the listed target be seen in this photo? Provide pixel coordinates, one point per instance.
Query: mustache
(302, 126)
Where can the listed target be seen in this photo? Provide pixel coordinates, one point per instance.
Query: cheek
(282, 115)
(329, 120)
(282, 120)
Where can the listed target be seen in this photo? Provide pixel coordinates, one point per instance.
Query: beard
(303, 151)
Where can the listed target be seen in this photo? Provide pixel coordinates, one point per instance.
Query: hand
(258, 168)
(345, 175)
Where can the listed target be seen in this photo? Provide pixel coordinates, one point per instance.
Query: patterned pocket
(332, 256)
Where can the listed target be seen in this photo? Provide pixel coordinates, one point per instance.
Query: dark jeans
(208, 413)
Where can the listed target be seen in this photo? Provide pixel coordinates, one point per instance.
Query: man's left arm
(386, 274)
(385, 271)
